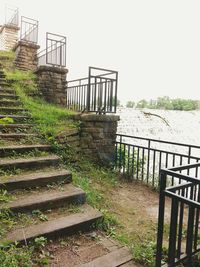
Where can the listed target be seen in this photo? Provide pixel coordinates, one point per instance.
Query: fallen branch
(156, 115)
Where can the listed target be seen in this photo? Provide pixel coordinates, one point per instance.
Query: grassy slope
(97, 182)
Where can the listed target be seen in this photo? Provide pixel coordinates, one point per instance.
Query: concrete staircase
(31, 164)
(37, 181)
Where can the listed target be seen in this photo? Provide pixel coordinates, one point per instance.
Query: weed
(12, 256)
(144, 253)
(7, 173)
(129, 161)
(39, 242)
(41, 216)
(4, 196)
(6, 120)
(6, 221)
(33, 153)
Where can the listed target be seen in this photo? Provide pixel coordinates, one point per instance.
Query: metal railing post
(161, 219)
(88, 90)
(189, 155)
(116, 86)
(148, 161)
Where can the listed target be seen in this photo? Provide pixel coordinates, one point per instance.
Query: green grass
(7, 55)
(20, 76)
(50, 119)
(7, 59)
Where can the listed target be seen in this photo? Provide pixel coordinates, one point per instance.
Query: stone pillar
(26, 56)
(51, 81)
(98, 136)
(8, 37)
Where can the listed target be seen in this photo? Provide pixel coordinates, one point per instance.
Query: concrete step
(30, 163)
(46, 200)
(15, 125)
(2, 80)
(12, 110)
(16, 136)
(8, 96)
(7, 91)
(35, 179)
(10, 103)
(4, 84)
(67, 225)
(10, 150)
(8, 128)
(16, 118)
(115, 258)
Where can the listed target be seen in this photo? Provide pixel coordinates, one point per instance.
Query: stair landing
(93, 249)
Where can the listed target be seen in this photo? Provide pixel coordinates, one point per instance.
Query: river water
(166, 125)
(169, 125)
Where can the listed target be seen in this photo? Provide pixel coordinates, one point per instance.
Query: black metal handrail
(55, 52)
(29, 30)
(174, 168)
(142, 158)
(12, 16)
(182, 243)
(95, 93)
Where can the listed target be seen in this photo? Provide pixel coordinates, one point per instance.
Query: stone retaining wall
(51, 81)
(70, 138)
(97, 137)
(8, 37)
(26, 56)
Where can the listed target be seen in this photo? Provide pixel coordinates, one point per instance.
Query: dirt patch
(79, 249)
(72, 251)
(136, 207)
(82, 248)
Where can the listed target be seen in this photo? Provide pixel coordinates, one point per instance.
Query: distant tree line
(166, 103)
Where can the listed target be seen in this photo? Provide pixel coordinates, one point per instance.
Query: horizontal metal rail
(95, 93)
(142, 158)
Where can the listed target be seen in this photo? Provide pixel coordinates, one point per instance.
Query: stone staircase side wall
(98, 136)
(26, 56)
(8, 37)
(51, 81)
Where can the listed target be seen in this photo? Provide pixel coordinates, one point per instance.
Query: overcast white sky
(154, 44)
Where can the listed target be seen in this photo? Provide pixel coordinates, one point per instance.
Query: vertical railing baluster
(189, 239)
(173, 164)
(105, 96)
(189, 154)
(197, 220)
(160, 163)
(148, 160)
(161, 217)
(142, 173)
(181, 214)
(124, 159)
(133, 161)
(138, 162)
(128, 164)
(154, 159)
(111, 95)
(120, 154)
(173, 232)
(166, 160)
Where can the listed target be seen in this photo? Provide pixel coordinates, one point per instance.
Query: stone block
(50, 82)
